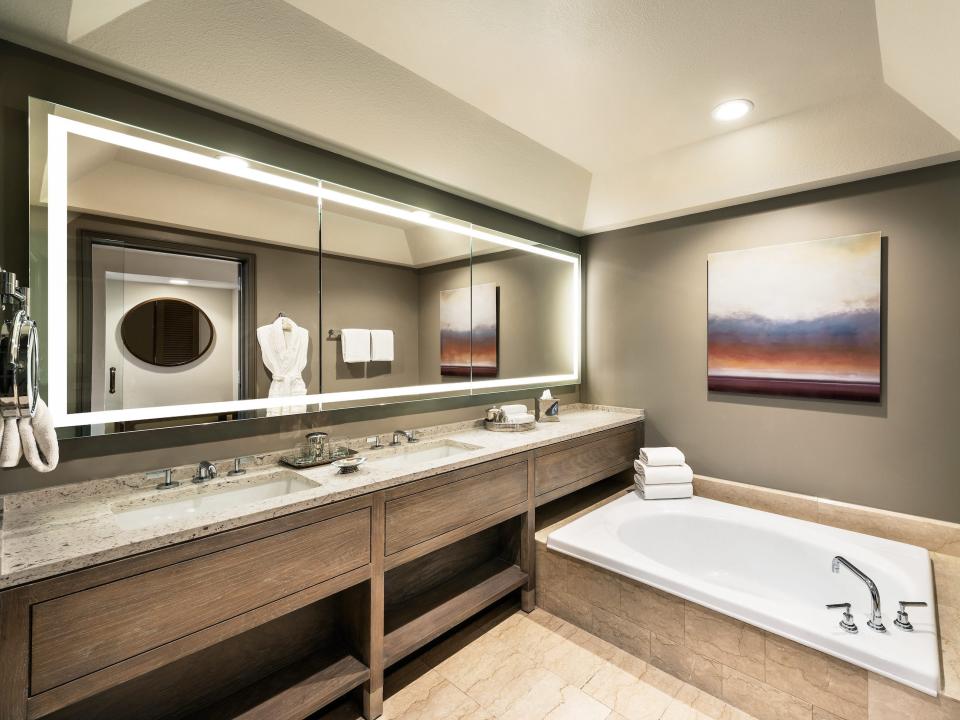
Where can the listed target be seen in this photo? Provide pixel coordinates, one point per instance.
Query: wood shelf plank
(414, 623)
(293, 693)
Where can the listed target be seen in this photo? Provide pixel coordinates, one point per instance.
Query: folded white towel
(514, 409)
(677, 491)
(519, 418)
(381, 345)
(39, 439)
(10, 452)
(355, 345)
(663, 474)
(659, 456)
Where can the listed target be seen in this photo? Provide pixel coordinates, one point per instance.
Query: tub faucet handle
(846, 622)
(903, 620)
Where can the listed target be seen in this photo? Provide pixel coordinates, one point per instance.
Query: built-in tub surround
(772, 572)
(51, 531)
(762, 673)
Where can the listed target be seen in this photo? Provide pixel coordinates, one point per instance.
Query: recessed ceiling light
(732, 110)
(232, 162)
(178, 281)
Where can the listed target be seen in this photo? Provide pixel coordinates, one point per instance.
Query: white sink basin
(428, 451)
(193, 501)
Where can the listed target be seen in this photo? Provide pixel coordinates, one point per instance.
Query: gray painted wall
(646, 346)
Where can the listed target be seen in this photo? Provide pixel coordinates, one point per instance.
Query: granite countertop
(51, 531)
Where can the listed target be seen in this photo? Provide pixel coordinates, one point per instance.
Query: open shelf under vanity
(428, 596)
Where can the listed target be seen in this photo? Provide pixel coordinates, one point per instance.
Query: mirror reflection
(381, 310)
(185, 283)
(414, 298)
(177, 284)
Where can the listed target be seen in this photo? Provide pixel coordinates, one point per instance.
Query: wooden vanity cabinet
(276, 619)
(569, 466)
(72, 637)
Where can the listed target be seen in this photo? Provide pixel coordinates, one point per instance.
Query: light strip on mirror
(58, 129)
(421, 217)
(189, 157)
(228, 406)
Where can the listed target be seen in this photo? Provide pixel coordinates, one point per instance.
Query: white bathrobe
(285, 356)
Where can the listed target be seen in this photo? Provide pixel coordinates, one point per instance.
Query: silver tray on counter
(509, 427)
(302, 463)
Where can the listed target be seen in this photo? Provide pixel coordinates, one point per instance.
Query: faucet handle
(167, 475)
(412, 436)
(238, 464)
(846, 622)
(903, 620)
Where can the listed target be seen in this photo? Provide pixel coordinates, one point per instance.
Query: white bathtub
(770, 571)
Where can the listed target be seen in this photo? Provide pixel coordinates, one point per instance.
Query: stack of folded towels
(661, 473)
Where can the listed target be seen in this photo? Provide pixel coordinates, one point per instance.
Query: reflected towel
(660, 456)
(39, 439)
(663, 474)
(10, 444)
(665, 492)
(355, 345)
(381, 345)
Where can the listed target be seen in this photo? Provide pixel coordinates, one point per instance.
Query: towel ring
(19, 366)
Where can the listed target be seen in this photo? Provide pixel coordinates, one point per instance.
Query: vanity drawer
(419, 516)
(85, 631)
(611, 453)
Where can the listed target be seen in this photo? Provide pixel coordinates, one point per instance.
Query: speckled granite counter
(55, 530)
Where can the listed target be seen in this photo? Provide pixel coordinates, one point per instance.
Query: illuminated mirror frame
(58, 130)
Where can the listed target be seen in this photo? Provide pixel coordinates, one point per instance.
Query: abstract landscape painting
(465, 344)
(801, 319)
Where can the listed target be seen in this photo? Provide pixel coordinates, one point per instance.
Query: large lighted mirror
(176, 283)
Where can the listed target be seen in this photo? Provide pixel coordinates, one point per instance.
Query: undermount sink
(210, 499)
(427, 451)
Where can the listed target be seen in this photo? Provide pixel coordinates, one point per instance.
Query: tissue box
(548, 410)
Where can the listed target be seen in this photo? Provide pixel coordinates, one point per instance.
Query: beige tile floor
(512, 666)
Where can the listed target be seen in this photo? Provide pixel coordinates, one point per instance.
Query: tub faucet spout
(876, 619)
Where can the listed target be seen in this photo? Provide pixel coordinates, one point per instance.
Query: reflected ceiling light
(232, 162)
(732, 110)
(178, 281)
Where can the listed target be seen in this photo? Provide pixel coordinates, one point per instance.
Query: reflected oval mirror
(167, 332)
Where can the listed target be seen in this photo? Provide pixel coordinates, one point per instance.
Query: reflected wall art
(800, 319)
(470, 331)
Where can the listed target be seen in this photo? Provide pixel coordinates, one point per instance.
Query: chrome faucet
(205, 471)
(876, 619)
(410, 435)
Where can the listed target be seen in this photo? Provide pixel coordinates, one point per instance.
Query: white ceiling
(585, 114)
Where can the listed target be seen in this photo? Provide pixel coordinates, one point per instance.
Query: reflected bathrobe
(283, 345)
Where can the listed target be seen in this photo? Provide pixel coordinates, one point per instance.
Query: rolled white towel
(514, 409)
(678, 491)
(663, 474)
(39, 439)
(660, 456)
(519, 418)
(10, 448)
